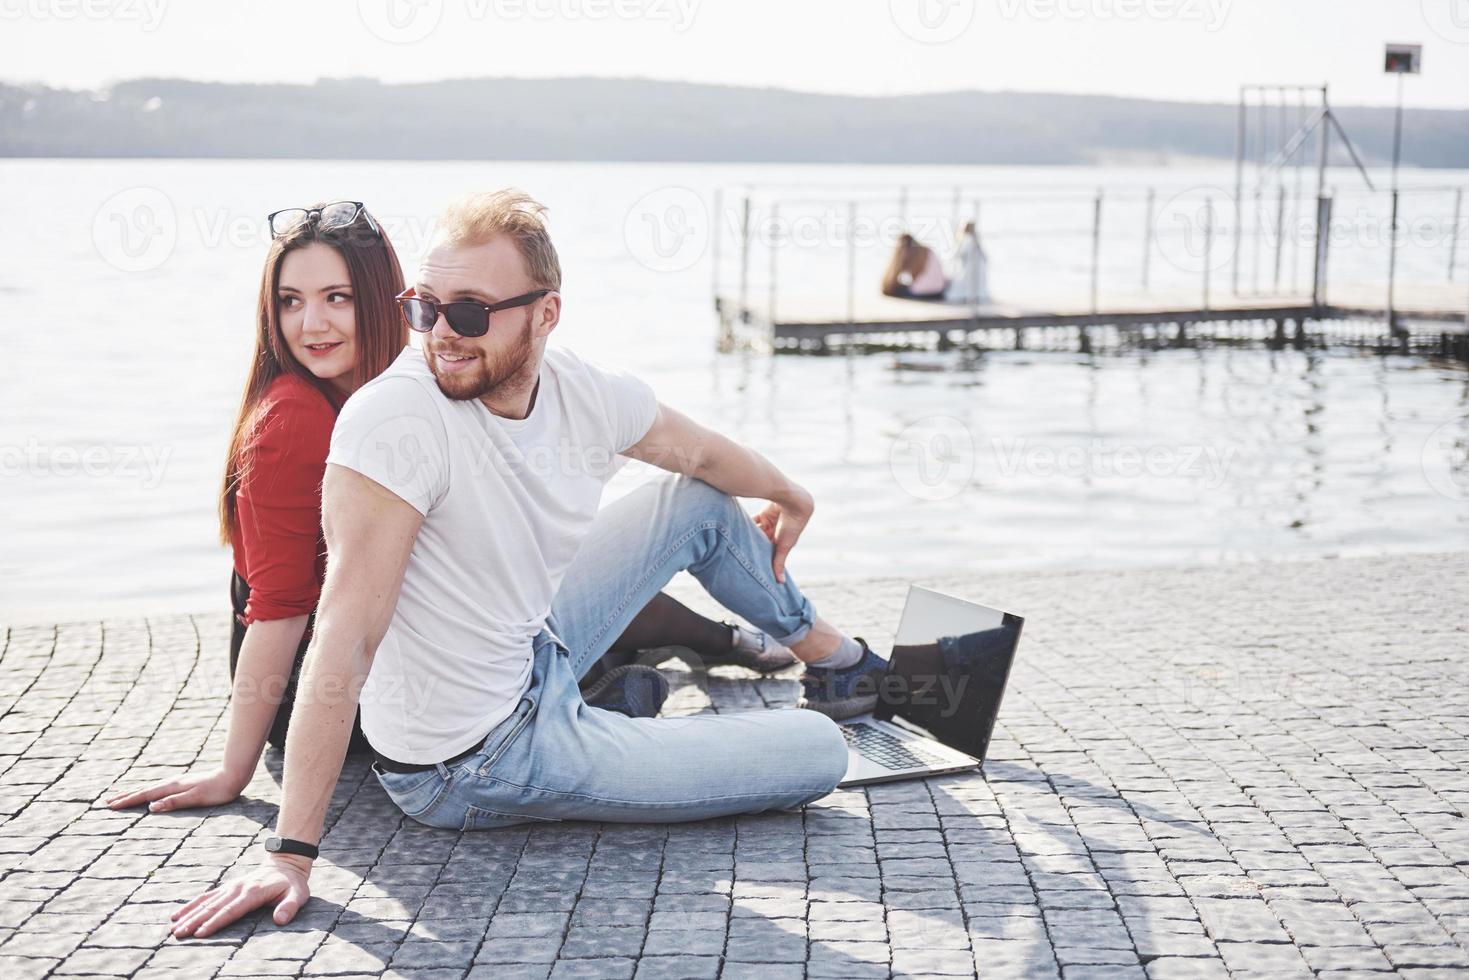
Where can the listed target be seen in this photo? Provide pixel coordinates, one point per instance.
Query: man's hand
(678, 444)
(212, 788)
(280, 880)
(783, 524)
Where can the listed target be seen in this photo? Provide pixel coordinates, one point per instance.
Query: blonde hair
(476, 218)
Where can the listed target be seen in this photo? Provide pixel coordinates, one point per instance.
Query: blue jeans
(555, 758)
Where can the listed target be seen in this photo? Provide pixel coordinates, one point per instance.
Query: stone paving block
(1175, 968)
(676, 942)
(1276, 959)
(605, 968)
(677, 968)
(587, 941)
(1193, 783)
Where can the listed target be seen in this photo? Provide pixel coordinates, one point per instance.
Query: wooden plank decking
(812, 320)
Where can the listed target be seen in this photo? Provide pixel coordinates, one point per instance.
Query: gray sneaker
(755, 651)
(634, 690)
(845, 692)
(749, 648)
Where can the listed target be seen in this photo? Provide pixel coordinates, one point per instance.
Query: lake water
(127, 292)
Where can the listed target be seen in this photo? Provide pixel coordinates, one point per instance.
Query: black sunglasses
(328, 217)
(467, 318)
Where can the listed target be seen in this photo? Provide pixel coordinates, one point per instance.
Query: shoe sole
(657, 655)
(618, 673)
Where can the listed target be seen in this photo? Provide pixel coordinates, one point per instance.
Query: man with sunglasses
(473, 580)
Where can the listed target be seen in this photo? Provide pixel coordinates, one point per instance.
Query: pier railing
(783, 252)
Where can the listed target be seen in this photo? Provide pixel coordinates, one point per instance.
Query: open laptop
(939, 699)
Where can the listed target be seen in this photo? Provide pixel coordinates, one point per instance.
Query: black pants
(239, 595)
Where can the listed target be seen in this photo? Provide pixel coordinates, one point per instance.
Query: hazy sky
(1170, 49)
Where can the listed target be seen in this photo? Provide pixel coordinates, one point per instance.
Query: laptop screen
(951, 659)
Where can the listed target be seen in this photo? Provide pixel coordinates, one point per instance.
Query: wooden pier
(812, 326)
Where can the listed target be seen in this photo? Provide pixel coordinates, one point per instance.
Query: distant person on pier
(970, 282)
(914, 272)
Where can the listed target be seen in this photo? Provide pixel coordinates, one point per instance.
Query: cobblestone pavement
(1248, 770)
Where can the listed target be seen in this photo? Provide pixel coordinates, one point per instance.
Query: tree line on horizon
(598, 119)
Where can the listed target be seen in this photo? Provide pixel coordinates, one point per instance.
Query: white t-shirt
(506, 504)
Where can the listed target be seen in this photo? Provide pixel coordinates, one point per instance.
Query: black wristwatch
(284, 845)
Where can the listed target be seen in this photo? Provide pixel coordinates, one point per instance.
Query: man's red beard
(489, 372)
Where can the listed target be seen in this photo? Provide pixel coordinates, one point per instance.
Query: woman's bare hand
(212, 788)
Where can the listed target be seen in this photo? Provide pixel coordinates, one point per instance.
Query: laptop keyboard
(887, 750)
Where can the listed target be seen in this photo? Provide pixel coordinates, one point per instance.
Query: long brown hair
(909, 257)
(376, 278)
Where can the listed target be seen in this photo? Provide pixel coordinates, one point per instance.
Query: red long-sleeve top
(278, 545)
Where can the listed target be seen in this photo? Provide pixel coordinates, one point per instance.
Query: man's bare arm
(677, 443)
(369, 535)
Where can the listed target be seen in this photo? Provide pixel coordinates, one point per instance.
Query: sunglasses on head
(467, 318)
(328, 217)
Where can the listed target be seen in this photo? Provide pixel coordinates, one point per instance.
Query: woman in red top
(327, 323)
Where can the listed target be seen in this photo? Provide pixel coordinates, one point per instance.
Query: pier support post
(1323, 236)
(1084, 339)
(1208, 244)
(1280, 340)
(774, 253)
(714, 234)
(852, 264)
(1300, 338)
(1279, 233)
(745, 261)
(1096, 245)
(1454, 231)
(1147, 237)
